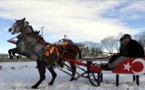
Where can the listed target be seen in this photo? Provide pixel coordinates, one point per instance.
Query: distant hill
(14, 60)
(3, 55)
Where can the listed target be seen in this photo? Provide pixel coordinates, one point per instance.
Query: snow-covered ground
(22, 75)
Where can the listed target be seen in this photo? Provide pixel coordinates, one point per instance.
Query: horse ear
(27, 22)
(23, 19)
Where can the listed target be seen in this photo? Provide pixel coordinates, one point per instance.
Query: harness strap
(39, 55)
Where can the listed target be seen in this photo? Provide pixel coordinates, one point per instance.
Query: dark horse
(70, 51)
(29, 46)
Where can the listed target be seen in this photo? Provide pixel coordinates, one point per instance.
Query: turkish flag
(131, 66)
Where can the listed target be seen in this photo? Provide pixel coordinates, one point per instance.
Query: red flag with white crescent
(131, 66)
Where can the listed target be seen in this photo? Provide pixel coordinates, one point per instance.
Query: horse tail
(80, 55)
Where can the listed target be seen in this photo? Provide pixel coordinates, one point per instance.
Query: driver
(131, 49)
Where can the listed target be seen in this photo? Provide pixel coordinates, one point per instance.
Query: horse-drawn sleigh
(132, 66)
(33, 46)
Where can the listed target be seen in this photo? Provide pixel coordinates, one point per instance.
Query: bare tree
(96, 50)
(120, 34)
(110, 43)
(92, 49)
(141, 38)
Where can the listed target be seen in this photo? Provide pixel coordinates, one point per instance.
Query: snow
(22, 75)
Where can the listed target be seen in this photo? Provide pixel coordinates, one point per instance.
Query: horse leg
(42, 70)
(14, 54)
(60, 63)
(10, 50)
(53, 75)
(73, 71)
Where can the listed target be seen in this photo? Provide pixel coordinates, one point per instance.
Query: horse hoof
(72, 79)
(50, 83)
(11, 57)
(17, 57)
(34, 87)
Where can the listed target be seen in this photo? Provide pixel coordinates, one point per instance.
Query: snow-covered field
(22, 75)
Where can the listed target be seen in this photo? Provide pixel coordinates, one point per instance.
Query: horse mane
(31, 28)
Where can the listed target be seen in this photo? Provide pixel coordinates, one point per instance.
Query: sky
(80, 20)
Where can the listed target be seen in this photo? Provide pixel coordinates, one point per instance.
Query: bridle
(19, 23)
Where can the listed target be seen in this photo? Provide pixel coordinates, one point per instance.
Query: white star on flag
(127, 66)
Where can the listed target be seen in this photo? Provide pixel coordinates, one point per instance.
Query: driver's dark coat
(133, 49)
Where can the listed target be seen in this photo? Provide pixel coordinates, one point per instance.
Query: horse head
(19, 26)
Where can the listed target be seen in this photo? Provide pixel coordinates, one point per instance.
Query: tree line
(109, 45)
